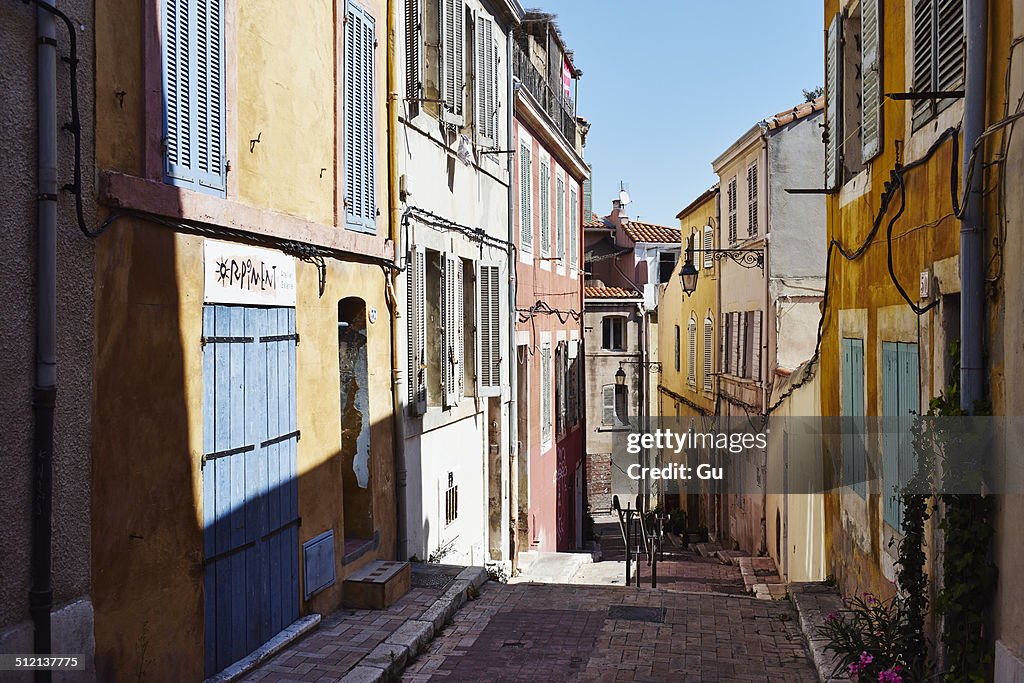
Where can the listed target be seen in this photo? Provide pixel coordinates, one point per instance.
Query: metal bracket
(747, 258)
(928, 95)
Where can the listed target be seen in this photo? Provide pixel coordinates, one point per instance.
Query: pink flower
(866, 659)
(832, 616)
(854, 669)
(890, 675)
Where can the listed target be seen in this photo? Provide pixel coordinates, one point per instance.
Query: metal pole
(44, 395)
(972, 228)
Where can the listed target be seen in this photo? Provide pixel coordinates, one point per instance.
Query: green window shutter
(360, 204)
(890, 425)
(871, 78)
(453, 61)
(209, 94)
(833, 102)
(177, 60)
(488, 306)
(525, 197)
(852, 406)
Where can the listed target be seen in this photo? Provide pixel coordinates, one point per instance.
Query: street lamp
(688, 275)
(620, 376)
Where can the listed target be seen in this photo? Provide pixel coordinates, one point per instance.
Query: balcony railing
(551, 98)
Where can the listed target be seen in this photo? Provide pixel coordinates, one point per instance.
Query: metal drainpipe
(972, 229)
(45, 391)
(513, 358)
(395, 230)
(765, 317)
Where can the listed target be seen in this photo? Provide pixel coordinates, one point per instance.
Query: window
(852, 406)
(560, 407)
(742, 342)
(560, 221)
(546, 391)
(613, 333)
(416, 320)
(573, 383)
(938, 61)
(691, 352)
(486, 75)
(453, 61)
(752, 200)
(413, 54)
(615, 407)
(900, 401)
(574, 228)
(666, 264)
(193, 82)
(451, 500)
(360, 204)
(525, 197)
(709, 245)
(545, 208)
(677, 353)
(731, 195)
(488, 306)
(709, 341)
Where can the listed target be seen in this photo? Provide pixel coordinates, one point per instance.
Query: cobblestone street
(533, 632)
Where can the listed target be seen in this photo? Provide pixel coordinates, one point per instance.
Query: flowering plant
(869, 639)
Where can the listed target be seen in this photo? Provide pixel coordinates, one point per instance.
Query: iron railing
(549, 96)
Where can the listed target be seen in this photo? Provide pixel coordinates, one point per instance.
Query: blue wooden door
(250, 503)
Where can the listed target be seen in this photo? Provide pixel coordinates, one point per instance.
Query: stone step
(377, 585)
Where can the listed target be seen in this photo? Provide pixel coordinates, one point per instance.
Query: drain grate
(633, 613)
(433, 576)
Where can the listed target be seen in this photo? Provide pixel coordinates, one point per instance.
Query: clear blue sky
(668, 85)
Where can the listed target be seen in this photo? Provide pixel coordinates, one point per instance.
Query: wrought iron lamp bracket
(747, 258)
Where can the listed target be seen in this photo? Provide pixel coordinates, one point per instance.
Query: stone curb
(389, 658)
(268, 650)
(813, 602)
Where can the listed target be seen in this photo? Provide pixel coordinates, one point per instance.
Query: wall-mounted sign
(240, 274)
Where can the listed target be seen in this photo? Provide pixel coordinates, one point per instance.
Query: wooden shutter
(949, 46)
(732, 210)
(724, 347)
(545, 393)
(833, 101)
(574, 228)
(678, 351)
(486, 83)
(360, 204)
(922, 79)
(608, 404)
(740, 323)
(413, 52)
(852, 406)
(709, 245)
(890, 451)
(755, 346)
(752, 200)
(560, 220)
(209, 90)
(416, 325)
(177, 91)
(453, 62)
(871, 78)
(489, 329)
(450, 328)
(691, 353)
(525, 197)
(460, 323)
(709, 346)
(545, 208)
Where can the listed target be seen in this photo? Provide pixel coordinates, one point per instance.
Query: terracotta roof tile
(609, 293)
(798, 112)
(648, 232)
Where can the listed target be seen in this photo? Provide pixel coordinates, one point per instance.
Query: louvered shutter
(450, 329)
(723, 347)
(486, 85)
(560, 220)
(608, 404)
(691, 353)
(545, 393)
(488, 308)
(709, 245)
(453, 63)
(460, 322)
(950, 42)
(545, 209)
(923, 57)
(177, 60)
(416, 316)
(525, 196)
(413, 52)
(731, 193)
(574, 229)
(752, 200)
(755, 346)
(833, 99)
(209, 93)
(709, 345)
(360, 204)
(737, 344)
(871, 78)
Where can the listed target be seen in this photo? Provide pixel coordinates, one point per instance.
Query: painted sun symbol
(223, 270)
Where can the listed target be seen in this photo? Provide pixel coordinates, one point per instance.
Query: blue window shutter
(177, 93)
(360, 205)
(890, 424)
(854, 466)
(208, 41)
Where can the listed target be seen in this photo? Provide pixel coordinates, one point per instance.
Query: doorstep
(366, 646)
(814, 602)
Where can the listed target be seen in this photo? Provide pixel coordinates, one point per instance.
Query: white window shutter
(709, 345)
(709, 245)
(486, 87)
(413, 50)
(691, 353)
(755, 346)
(453, 62)
(735, 363)
(833, 101)
(724, 348)
(177, 56)
(752, 200)
(545, 393)
(360, 200)
(923, 77)
(560, 220)
(488, 306)
(450, 329)
(545, 208)
(871, 78)
(574, 228)
(525, 198)
(608, 404)
(731, 198)
(460, 321)
(416, 316)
